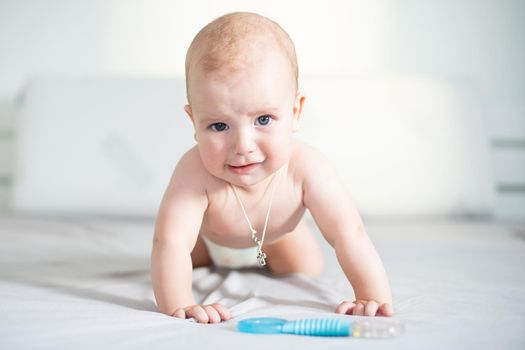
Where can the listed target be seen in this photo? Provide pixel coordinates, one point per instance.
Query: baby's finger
(386, 310)
(213, 315)
(371, 308)
(197, 312)
(359, 310)
(179, 313)
(223, 311)
(345, 307)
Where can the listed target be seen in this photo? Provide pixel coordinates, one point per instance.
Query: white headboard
(99, 145)
(404, 145)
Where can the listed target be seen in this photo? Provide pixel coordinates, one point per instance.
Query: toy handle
(327, 327)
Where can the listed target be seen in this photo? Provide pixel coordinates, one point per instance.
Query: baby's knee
(315, 268)
(310, 266)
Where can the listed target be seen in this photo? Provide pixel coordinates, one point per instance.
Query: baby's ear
(297, 110)
(187, 109)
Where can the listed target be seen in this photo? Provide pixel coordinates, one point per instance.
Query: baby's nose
(244, 142)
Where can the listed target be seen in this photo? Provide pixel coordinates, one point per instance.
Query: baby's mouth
(243, 169)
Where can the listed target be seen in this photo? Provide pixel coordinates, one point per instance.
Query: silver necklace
(261, 256)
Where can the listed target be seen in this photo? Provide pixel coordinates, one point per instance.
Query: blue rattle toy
(326, 327)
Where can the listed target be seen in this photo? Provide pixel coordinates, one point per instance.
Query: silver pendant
(261, 256)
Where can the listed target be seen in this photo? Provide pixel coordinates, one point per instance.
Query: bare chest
(225, 223)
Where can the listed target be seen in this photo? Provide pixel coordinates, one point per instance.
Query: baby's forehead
(235, 43)
(233, 61)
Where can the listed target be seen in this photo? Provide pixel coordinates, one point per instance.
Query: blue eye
(219, 126)
(264, 120)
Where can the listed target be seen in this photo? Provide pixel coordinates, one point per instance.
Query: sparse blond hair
(222, 43)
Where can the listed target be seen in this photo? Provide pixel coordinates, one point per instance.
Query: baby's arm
(176, 231)
(341, 225)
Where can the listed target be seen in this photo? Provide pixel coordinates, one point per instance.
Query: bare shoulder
(189, 173)
(190, 165)
(186, 191)
(307, 162)
(317, 176)
(190, 161)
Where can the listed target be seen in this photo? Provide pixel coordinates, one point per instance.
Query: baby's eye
(264, 120)
(219, 126)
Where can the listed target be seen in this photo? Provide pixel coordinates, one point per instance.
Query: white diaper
(232, 257)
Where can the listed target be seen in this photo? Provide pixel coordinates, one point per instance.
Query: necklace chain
(261, 256)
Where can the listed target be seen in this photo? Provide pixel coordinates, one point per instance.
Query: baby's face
(244, 120)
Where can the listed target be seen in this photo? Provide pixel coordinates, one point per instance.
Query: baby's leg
(199, 255)
(297, 251)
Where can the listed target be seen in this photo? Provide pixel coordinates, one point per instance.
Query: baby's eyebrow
(264, 111)
(212, 119)
(207, 119)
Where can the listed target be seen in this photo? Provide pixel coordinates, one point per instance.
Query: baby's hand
(361, 307)
(213, 313)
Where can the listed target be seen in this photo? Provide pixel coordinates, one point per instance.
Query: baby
(237, 198)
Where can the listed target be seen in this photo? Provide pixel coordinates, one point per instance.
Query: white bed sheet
(84, 283)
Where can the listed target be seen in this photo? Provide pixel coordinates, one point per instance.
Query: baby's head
(242, 80)
(235, 40)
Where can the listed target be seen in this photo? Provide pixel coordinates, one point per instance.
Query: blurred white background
(458, 61)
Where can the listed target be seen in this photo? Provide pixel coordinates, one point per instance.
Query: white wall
(481, 40)
(478, 41)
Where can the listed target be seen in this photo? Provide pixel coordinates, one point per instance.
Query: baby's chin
(241, 180)
(245, 180)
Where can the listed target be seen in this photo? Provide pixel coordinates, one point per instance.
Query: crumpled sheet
(84, 283)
